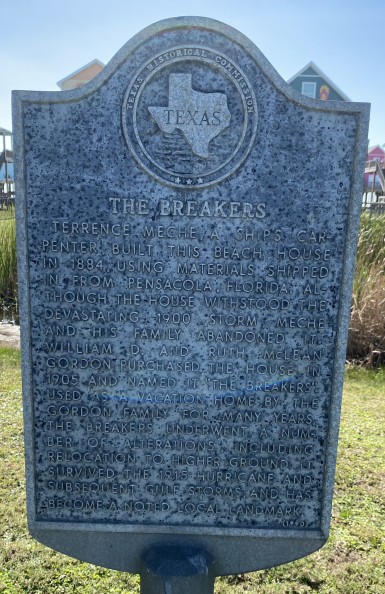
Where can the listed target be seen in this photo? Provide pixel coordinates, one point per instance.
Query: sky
(43, 41)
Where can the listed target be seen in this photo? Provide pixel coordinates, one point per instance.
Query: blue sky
(45, 40)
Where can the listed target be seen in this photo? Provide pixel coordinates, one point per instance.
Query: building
(81, 76)
(314, 83)
(376, 153)
(374, 170)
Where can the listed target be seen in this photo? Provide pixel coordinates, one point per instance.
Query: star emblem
(189, 182)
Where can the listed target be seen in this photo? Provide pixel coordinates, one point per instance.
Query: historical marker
(187, 227)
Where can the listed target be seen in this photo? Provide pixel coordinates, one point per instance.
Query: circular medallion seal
(189, 117)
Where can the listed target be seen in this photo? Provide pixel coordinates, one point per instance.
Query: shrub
(366, 341)
(8, 265)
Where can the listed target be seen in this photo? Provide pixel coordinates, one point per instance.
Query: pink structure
(375, 153)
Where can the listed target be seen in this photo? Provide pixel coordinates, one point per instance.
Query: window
(308, 89)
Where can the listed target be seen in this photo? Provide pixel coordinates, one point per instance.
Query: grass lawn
(7, 213)
(353, 561)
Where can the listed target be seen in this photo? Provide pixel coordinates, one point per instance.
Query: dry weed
(366, 340)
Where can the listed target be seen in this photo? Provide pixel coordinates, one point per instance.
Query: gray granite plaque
(187, 226)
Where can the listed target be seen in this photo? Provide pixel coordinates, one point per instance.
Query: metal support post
(176, 570)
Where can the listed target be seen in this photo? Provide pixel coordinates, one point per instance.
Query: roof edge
(95, 61)
(322, 75)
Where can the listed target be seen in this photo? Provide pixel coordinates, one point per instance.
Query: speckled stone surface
(187, 227)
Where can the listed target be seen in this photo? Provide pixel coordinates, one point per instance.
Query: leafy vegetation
(371, 245)
(366, 342)
(7, 213)
(352, 562)
(8, 264)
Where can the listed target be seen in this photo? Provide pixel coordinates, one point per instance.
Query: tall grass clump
(366, 341)
(8, 266)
